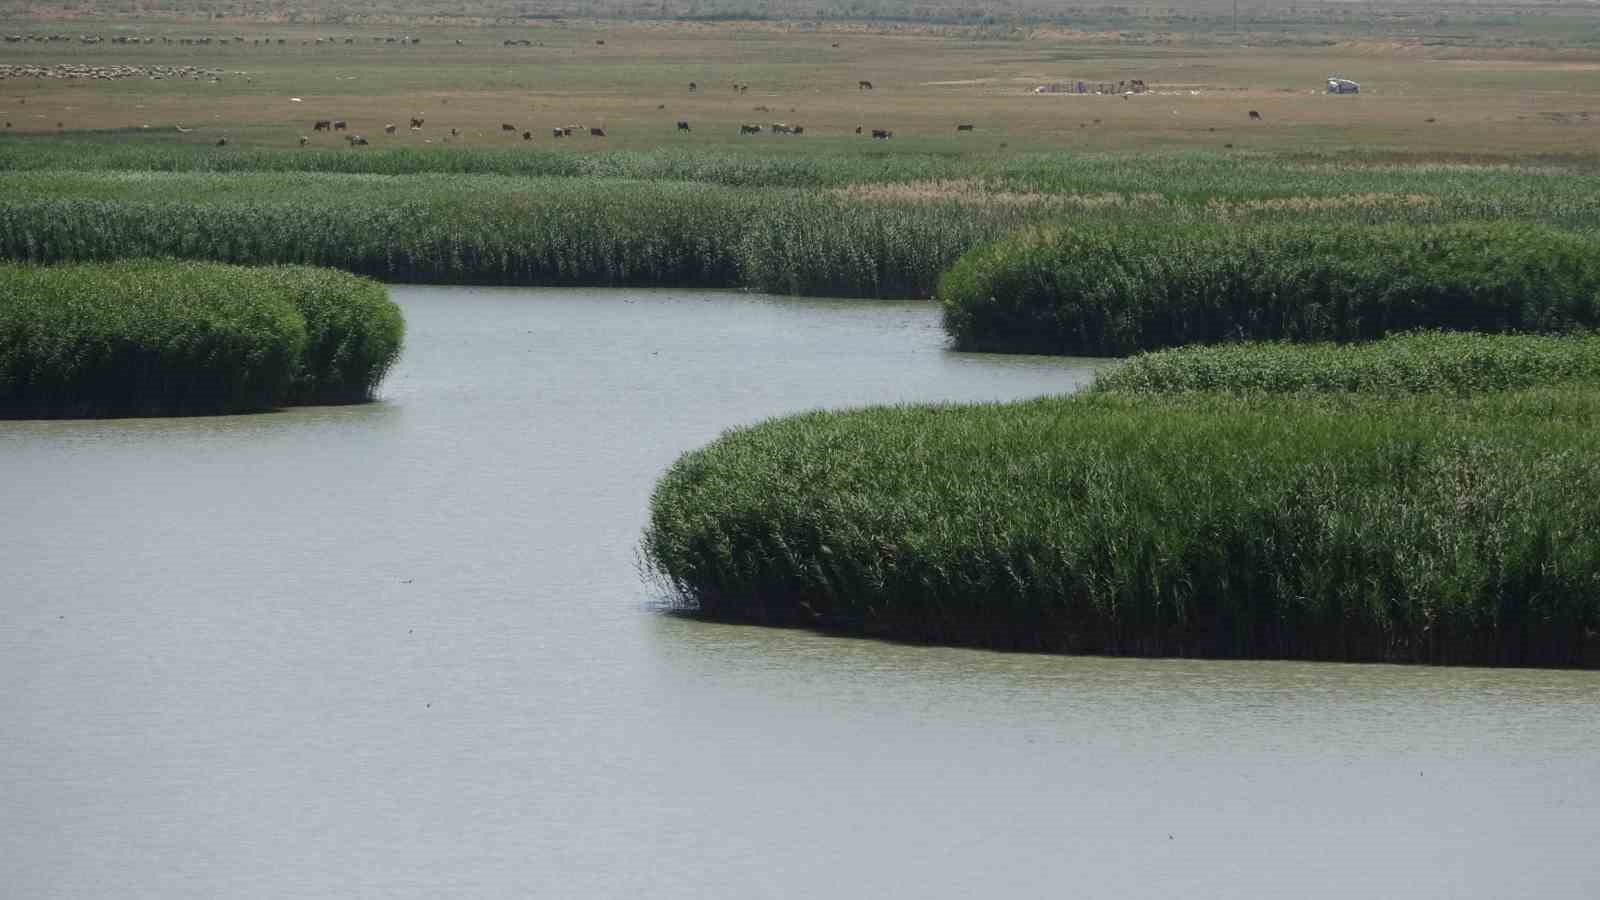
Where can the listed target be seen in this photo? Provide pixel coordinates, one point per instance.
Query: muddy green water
(403, 651)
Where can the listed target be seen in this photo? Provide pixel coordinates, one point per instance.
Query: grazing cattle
(1255, 115)
(963, 127)
(858, 129)
(781, 128)
(339, 125)
(356, 140)
(454, 132)
(661, 106)
(304, 140)
(836, 45)
(527, 135)
(507, 126)
(879, 134)
(863, 85)
(597, 132)
(558, 132)
(749, 129)
(693, 87)
(799, 129)
(389, 128)
(321, 125)
(222, 142)
(684, 126)
(416, 121)
(600, 43)
(459, 43)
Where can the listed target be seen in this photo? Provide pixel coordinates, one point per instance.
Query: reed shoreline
(1446, 526)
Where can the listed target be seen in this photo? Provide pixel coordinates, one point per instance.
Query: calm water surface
(403, 651)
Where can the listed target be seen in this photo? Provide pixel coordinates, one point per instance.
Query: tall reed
(1410, 529)
(1112, 291)
(145, 337)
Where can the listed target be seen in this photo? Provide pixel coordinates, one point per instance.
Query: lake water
(404, 651)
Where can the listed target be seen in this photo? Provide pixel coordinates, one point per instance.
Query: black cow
(527, 135)
(863, 85)
(684, 126)
(963, 127)
(416, 122)
(749, 129)
(597, 132)
(339, 125)
(507, 126)
(558, 132)
(879, 134)
(1255, 115)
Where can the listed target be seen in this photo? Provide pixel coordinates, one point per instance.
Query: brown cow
(507, 126)
(963, 127)
(863, 85)
(321, 125)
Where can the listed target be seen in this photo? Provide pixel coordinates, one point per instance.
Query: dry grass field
(1487, 92)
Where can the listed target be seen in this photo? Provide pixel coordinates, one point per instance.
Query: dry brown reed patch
(987, 194)
(1313, 204)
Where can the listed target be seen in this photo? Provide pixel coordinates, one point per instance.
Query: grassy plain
(1485, 92)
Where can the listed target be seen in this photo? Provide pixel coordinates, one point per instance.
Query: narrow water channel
(404, 651)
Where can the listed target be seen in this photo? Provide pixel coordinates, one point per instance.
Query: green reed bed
(1537, 190)
(483, 229)
(1414, 529)
(148, 337)
(856, 226)
(1447, 363)
(1113, 291)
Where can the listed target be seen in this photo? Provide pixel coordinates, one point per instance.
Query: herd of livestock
(561, 131)
(108, 72)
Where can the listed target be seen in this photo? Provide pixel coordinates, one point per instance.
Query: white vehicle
(1337, 85)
